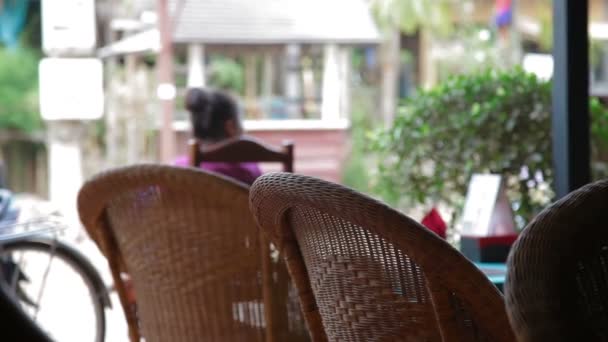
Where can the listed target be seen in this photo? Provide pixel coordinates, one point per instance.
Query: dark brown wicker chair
(557, 283)
(242, 149)
(194, 254)
(365, 272)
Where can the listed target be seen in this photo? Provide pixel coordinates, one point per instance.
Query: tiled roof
(273, 21)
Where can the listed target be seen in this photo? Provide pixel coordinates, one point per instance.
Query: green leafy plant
(491, 121)
(411, 15)
(19, 90)
(599, 136)
(355, 173)
(469, 53)
(226, 74)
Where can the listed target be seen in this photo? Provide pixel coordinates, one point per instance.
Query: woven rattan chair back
(365, 272)
(191, 247)
(242, 149)
(557, 283)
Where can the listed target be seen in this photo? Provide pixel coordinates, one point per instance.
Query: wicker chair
(557, 283)
(365, 272)
(190, 245)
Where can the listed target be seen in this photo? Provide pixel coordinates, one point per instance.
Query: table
(496, 272)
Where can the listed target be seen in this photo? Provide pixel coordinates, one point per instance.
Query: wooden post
(251, 79)
(165, 77)
(268, 76)
(428, 72)
(516, 47)
(110, 96)
(390, 76)
(131, 137)
(571, 145)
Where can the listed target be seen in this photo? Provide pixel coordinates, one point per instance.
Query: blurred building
(523, 26)
(288, 61)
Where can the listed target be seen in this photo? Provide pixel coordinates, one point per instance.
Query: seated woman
(215, 118)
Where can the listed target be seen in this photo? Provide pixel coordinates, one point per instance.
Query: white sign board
(487, 211)
(68, 26)
(539, 64)
(480, 200)
(71, 88)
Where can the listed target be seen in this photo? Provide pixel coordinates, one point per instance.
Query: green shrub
(355, 173)
(226, 74)
(19, 90)
(493, 121)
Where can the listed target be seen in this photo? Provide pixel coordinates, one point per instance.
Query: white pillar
(65, 167)
(196, 65)
(292, 80)
(345, 77)
(330, 106)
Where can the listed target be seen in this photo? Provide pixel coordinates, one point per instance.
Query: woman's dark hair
(209, 111)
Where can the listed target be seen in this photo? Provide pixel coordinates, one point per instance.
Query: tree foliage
(226, 74)
(19, 90)
(491, 121)
(410, 15)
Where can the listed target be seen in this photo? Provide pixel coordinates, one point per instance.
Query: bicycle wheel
(56, 287)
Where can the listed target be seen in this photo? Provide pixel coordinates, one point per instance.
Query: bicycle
(27, 252)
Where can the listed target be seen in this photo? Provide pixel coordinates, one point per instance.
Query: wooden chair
(249, 149)
(365, 272)
(192, 250)
(242, 149)
(557, 281)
